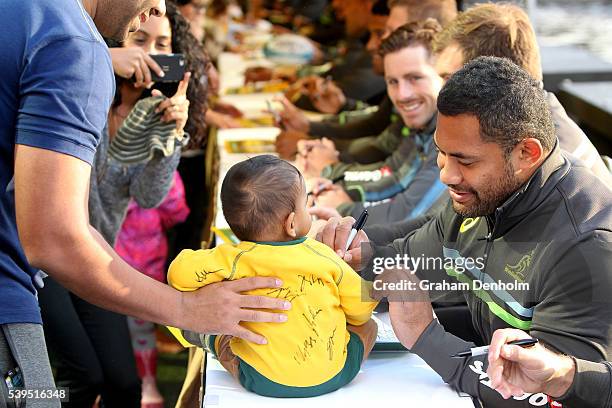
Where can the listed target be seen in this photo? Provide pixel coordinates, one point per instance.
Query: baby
(329, 331)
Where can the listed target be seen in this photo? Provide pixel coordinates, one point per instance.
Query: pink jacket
(142, 241)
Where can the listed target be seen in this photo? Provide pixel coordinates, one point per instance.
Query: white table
(384, 379)
(387, 379)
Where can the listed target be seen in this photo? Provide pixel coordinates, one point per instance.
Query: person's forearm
(86, 265)
(384, 188)
(338, 169)
(369, 125)
(590, 385)
(364, 150)
(563, 378)
(51, 192)
(385, 234)
(435, 346)
(151, 184)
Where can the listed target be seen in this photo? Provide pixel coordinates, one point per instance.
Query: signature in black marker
(330, 345)
(311, 319)
(303, 352)
(284, 293)
(311, 280)
(202, 275)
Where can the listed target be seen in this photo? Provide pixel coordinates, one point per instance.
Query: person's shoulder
(318, 248)
(63, 18)
(588, 199)
(43, 31)
(36, 24)
(322, 253)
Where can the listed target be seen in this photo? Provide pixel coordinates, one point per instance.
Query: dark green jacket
(592, 386)
(554, 234)
(403, 186)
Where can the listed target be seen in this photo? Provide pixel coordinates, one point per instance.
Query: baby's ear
(290, 225)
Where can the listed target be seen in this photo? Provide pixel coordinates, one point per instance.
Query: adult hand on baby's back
(335, 235)
(219, 308)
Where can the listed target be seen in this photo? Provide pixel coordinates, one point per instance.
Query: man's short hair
(508, 103)
(498, 30)
(420, 10)
(258, 194)
(411, 35)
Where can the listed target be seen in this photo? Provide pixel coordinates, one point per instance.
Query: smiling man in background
(410, 171)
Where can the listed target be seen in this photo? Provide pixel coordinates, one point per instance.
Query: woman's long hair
(196, 61)
(184, 42)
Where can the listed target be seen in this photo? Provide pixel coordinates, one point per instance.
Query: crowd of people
(435, 122)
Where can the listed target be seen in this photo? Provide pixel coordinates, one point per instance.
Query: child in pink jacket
(143, 244)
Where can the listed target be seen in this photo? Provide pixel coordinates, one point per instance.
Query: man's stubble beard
(487, 202)
(113, 20)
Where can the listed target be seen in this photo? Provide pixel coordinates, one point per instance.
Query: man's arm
(591, 386)
(405, 212)
(384, 234)
(51, 191)
(412, 317)
(369, 125)
(575, 288)
(573, 314)
(435, 346)
(408, 201)
(336, 170)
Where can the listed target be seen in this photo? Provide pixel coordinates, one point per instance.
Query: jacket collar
(531, 194)
(430, 127)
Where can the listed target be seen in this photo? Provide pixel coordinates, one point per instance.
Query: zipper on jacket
(489, 242)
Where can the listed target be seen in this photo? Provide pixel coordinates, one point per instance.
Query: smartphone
(173, 66)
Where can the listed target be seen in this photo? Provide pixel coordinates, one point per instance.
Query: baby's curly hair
(183, 42)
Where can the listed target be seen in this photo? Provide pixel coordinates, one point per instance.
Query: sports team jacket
(555, 234)
(411, 171)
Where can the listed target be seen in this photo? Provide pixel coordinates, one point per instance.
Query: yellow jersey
(325, 293)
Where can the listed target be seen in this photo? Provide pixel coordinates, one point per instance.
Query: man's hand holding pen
(516, 370)
(335, 234)
(326, 196)
(327, 97)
